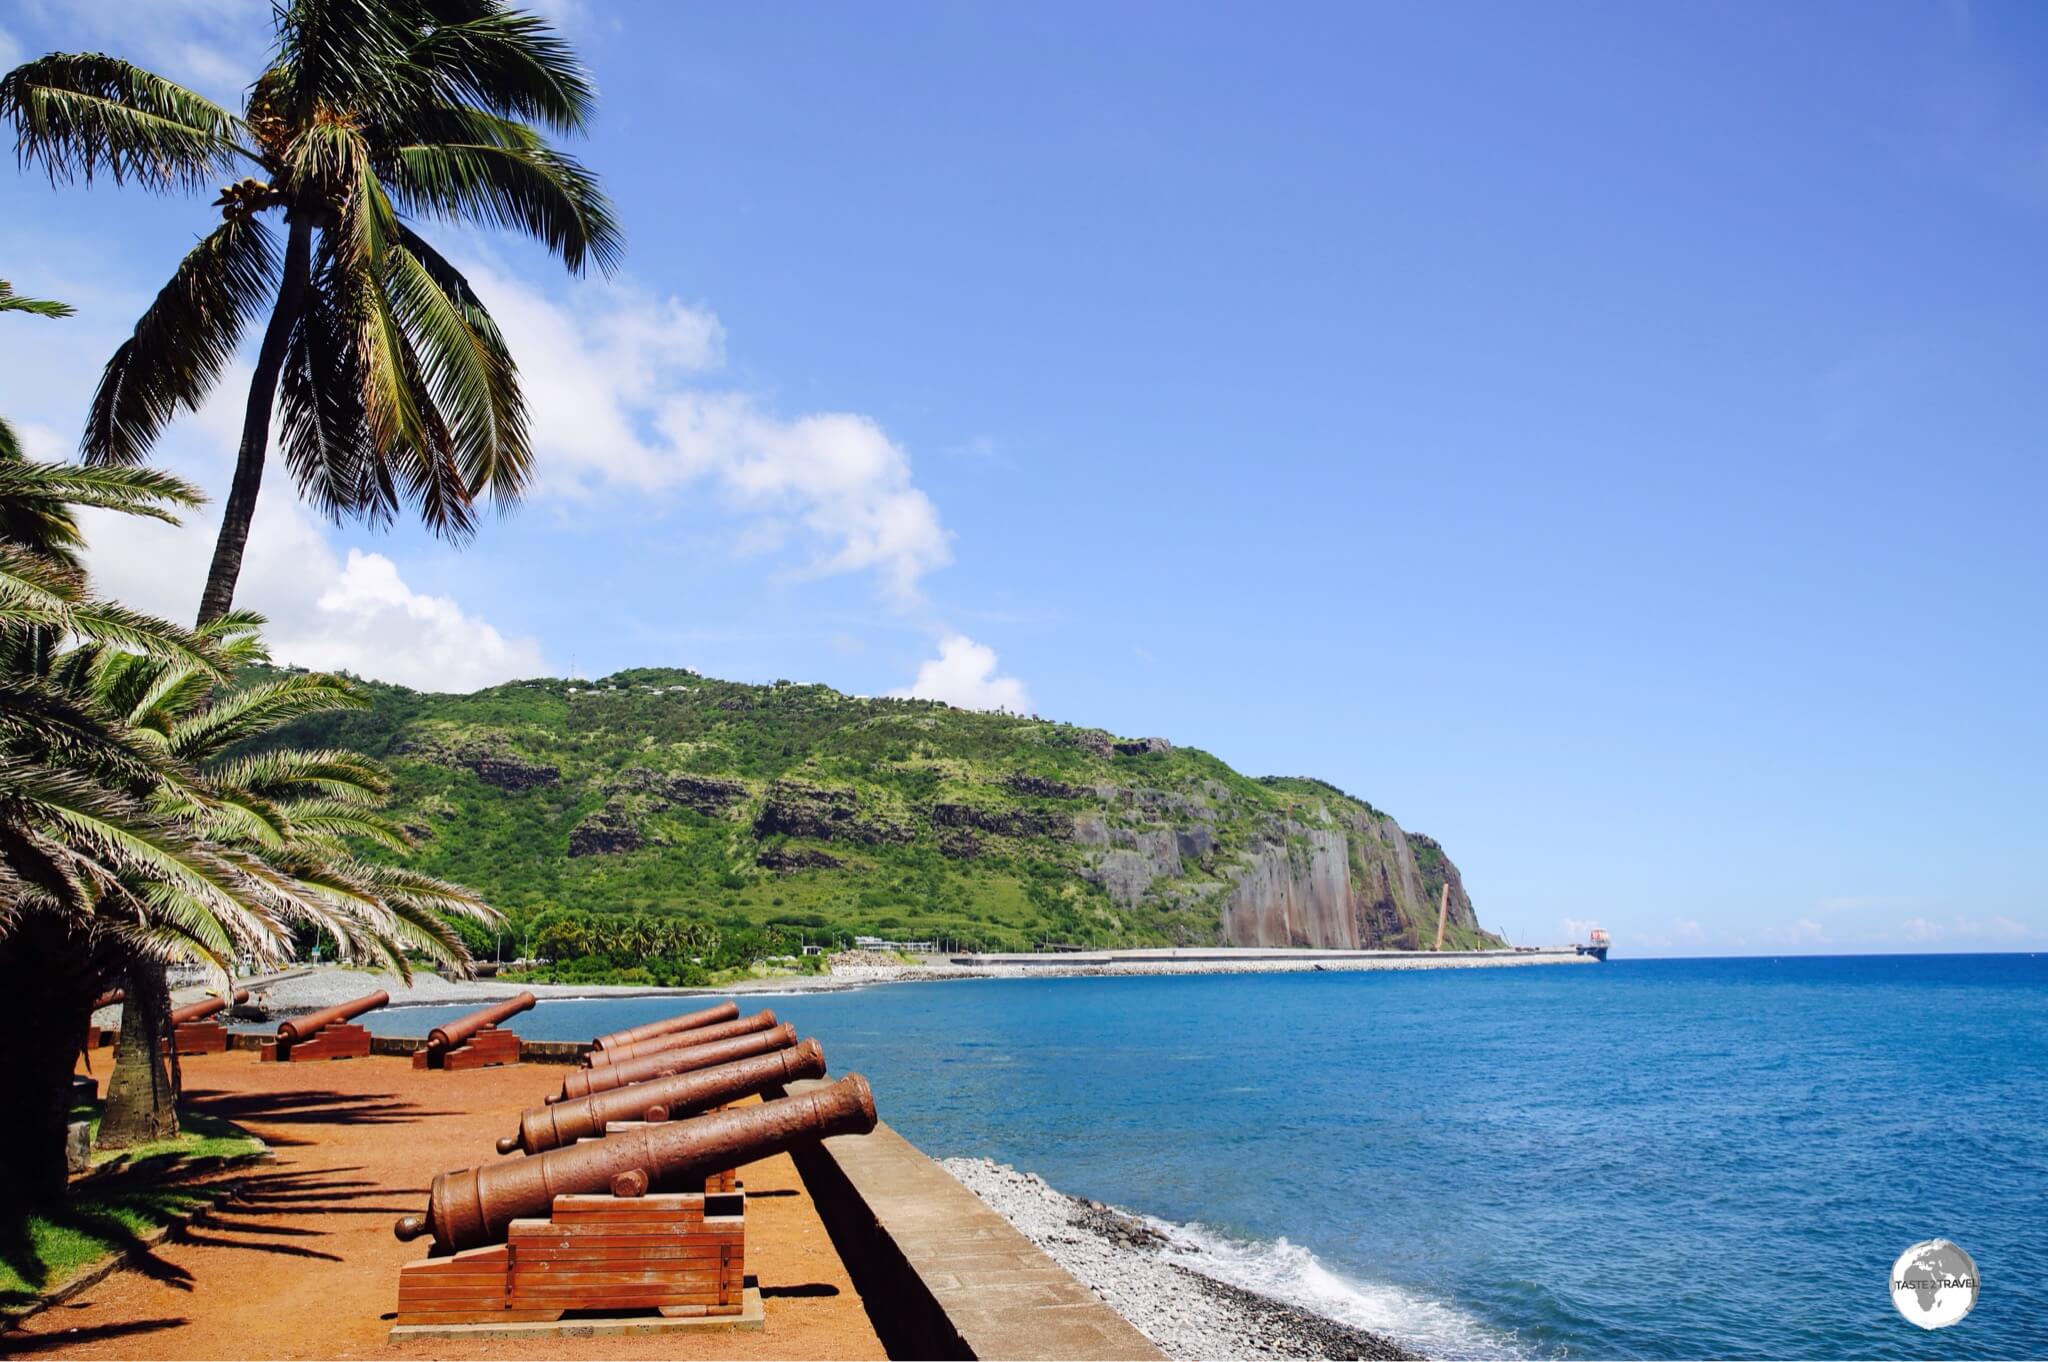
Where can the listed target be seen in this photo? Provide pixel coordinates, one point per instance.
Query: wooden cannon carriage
(613, 1228)
(474, 1041)
(327, 1034)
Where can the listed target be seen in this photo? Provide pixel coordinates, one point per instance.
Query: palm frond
(339, 820)
(324, 427)
(531, 189)
(252, 709)
(181, 343)
(10, 301)
(304, 773)
(469, 370)
(505, 60)
(80, 114)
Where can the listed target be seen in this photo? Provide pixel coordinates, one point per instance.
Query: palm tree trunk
(143, 1093)
(240, 510)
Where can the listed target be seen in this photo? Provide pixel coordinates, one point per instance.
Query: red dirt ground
(305, 1264)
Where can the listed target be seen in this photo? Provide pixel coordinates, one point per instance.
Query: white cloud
(614, 382)
(1577, 928)
(11, 51)
(1962, 929)
(356, 615)
(964, 674)
(1804, 932)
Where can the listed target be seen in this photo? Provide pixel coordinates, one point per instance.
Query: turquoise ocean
(1642, 1159)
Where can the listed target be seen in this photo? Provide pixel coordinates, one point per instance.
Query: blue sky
(1609, 437)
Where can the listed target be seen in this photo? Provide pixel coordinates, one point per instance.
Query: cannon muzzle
(298, 1028)
(676, 1040)
(689, 1021)
(199, 1011)
(675, 1096)
(605, 1077)
(473, 1207)
(462, 1028)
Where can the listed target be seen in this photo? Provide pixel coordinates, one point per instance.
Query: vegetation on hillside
(758, 818)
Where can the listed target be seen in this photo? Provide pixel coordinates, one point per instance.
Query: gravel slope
(1186, 1313)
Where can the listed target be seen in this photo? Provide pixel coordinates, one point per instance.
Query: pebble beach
(1132, 1265)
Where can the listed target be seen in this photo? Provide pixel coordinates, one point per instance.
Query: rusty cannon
(689, 1021)
(763, 1020)
(329, 1033)
(474, 1041)
(475, 1206)
(605, 1077)
(669, 1098)
(206, 1007)
(199, 1011)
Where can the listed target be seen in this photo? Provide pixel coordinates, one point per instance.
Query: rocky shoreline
(1125, 1261)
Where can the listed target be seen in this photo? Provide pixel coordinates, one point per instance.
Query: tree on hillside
(397, 388)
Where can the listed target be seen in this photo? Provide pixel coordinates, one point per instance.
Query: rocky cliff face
(1354, 887)
(1351, 880)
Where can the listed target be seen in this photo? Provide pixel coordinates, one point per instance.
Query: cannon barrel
(199, 1011)
(241, 996)
(677, 1095)
(109, 998)
(605, 1077)
(689, 1021)
(462, 1028)
(763, 1020)
(298, 1028)
(473, 1207)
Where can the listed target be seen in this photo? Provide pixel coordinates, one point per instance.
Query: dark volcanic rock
(786, 860)
(607, 832)
(796, 809)
(1138, 747)
(510, 773)
(1001, 822)
(708, 795)
(1093, 740)
(490, 758)
(1042, 787)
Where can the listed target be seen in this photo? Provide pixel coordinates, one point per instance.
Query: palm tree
(396, 384)
(288, 817)
(137, 825)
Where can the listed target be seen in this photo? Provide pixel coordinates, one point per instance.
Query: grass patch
(199, 1137)
(128, 1195)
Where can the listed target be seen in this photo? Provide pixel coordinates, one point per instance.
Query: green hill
(794, 806)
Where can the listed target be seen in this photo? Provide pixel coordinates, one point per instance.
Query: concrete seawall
(942, 1274)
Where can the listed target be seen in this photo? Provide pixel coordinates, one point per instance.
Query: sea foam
(1291, 1273)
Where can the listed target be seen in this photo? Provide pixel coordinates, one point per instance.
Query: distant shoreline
(306, 989)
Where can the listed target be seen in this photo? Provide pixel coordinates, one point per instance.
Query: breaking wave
(1290, 1273)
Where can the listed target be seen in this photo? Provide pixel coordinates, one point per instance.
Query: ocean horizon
(1661, 1158)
